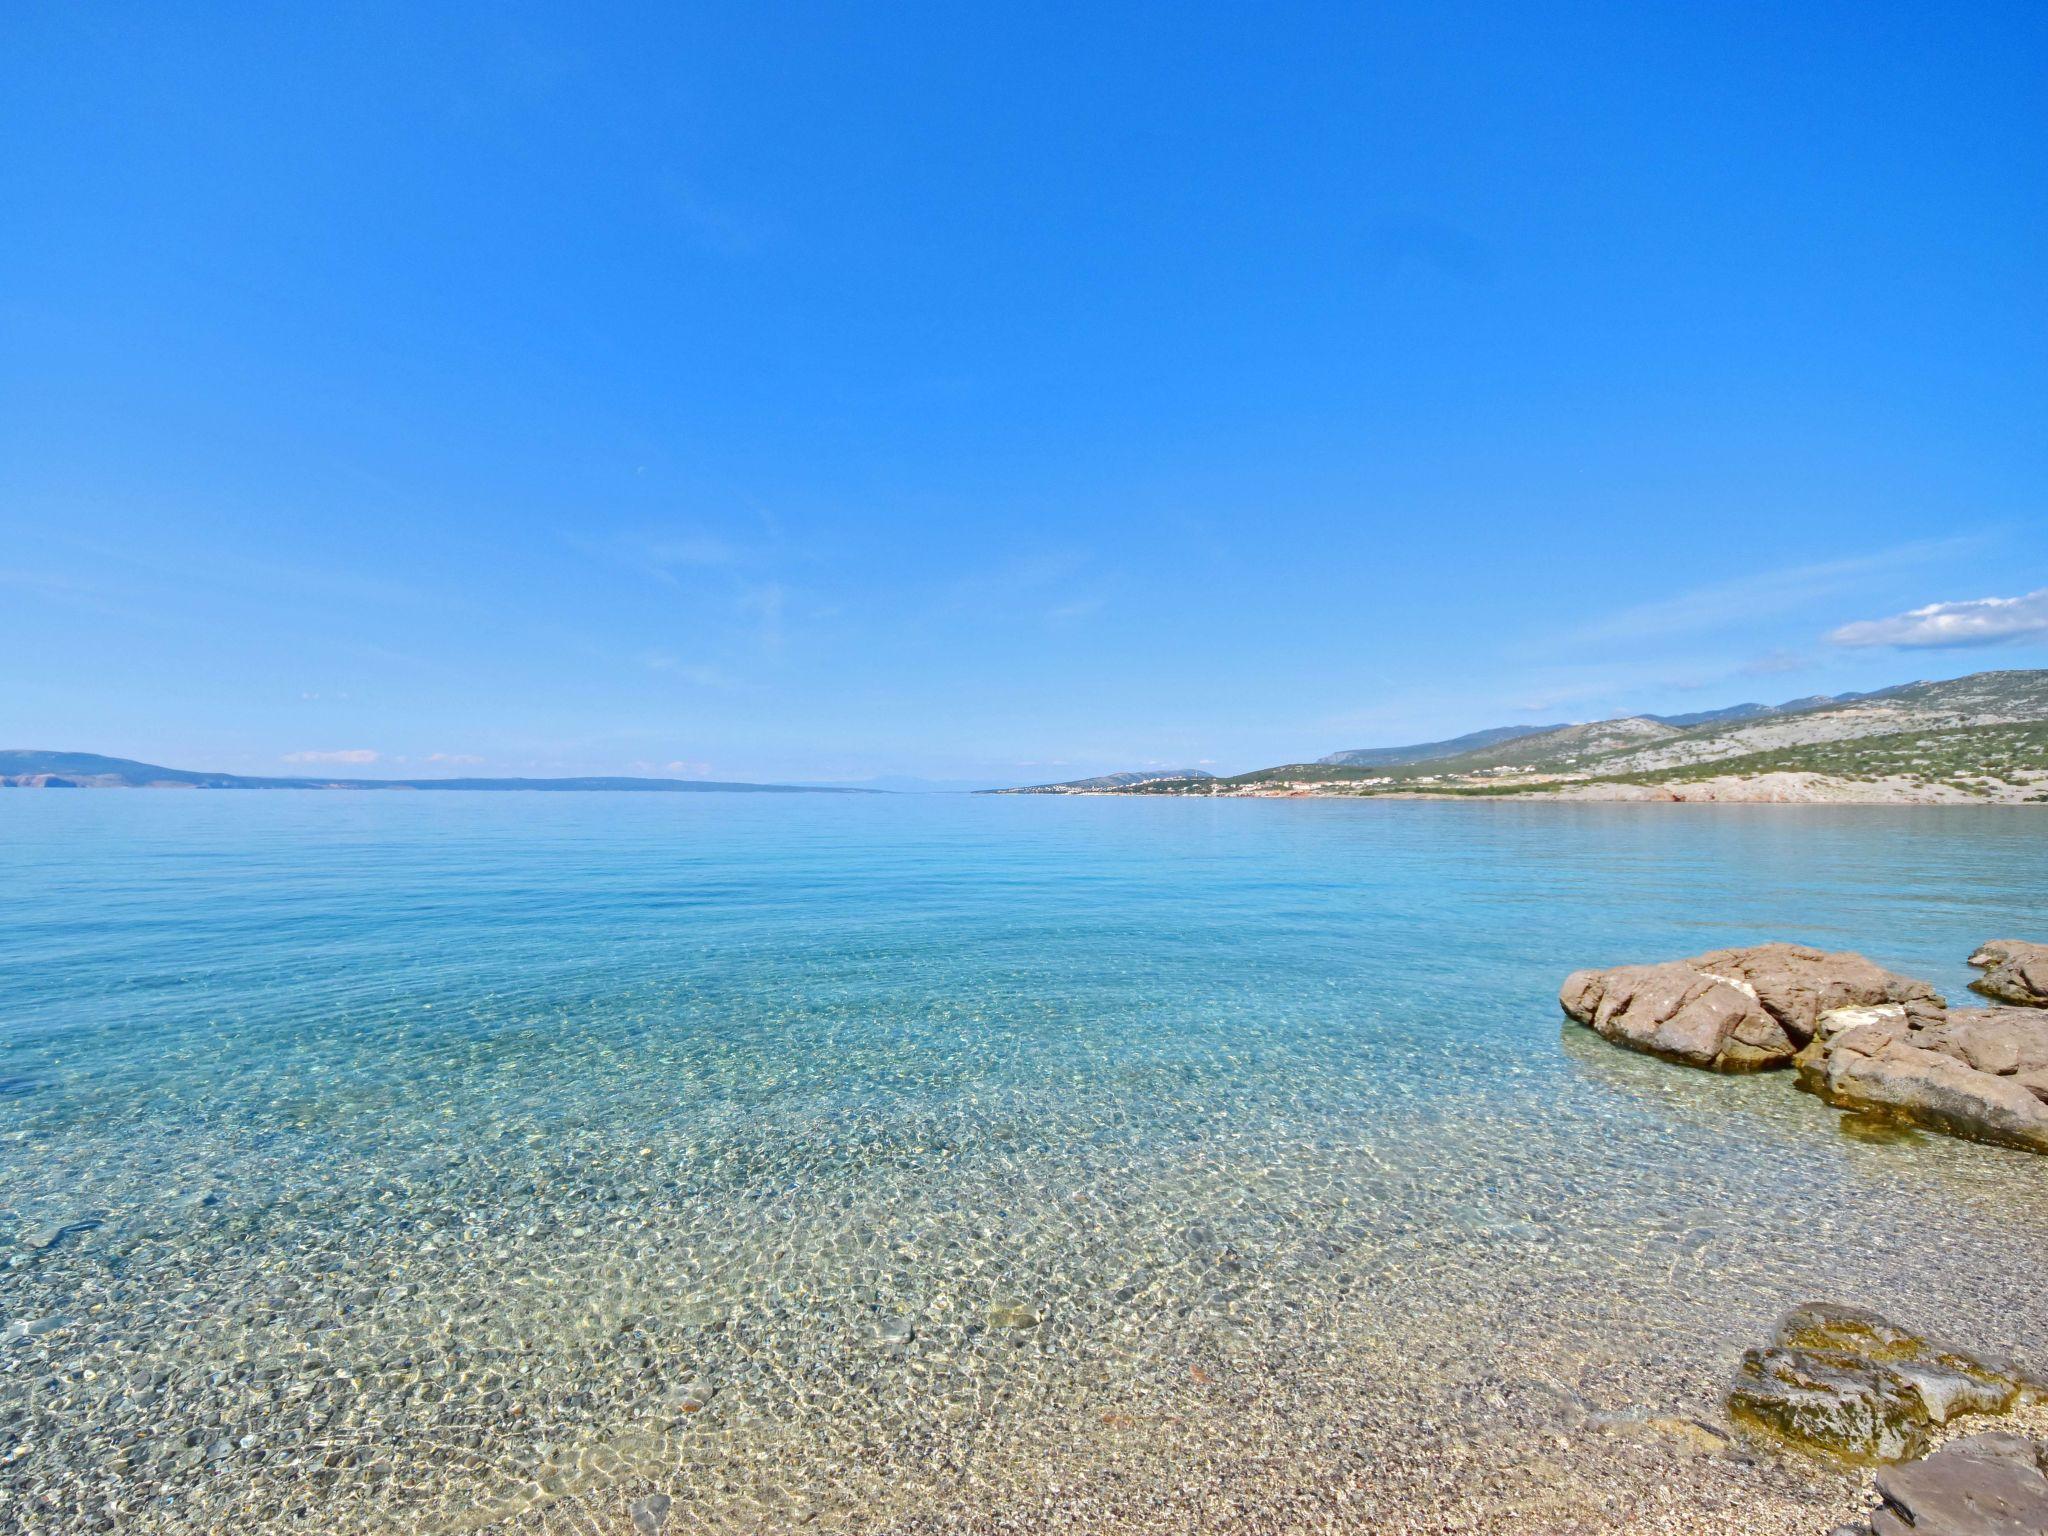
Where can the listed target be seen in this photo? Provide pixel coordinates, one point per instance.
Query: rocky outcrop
(1797, 984)
(1980, 1073)
(1681, 1014)
(1982, 1485)
(1846, 1384)
(2015, 972)
(1734, 1010)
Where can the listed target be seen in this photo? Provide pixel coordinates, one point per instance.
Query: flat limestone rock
(1985, 1485)
(2015, 971)
(1846, 1384)
(2006, 1042)
(1733, 1010)
(1979, 1073)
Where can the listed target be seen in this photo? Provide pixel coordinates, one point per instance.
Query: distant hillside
(1968, 738)
(1735, 712)
(1429, 751)
(1475, 741)
(1139, 779)
(26, 769)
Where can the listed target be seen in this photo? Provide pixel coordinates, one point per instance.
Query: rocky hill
(1429, 751)
(1970, 739)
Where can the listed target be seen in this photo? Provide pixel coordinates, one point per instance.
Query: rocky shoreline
(1841, 1383)
(1859, 1037)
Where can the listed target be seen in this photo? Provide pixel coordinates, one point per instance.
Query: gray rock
(1846, 1383)
(2015, 971)
(1985, 1485)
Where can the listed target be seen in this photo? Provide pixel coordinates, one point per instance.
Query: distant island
(1140, 778)
(1981, 739)
(29, 769)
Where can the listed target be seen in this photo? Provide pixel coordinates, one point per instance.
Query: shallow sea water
(447, 1163)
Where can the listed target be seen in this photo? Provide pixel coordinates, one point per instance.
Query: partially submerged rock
(1847, 1384)
(1980, 1073)
(1678, 1013)
(1982, 1485)
(1734, 1010)
(2015, 971)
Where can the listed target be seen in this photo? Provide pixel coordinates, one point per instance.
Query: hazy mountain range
(1111, 781)
(29, 769)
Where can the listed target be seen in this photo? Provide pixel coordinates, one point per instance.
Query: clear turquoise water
(388, 1162)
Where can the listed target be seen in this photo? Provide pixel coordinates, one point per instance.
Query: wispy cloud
(692, 550)
(356, 756)
(1773, 664)
(702, 674)
(765, 603)
(454, 759)
(684, 768)
(1976, 621)
(1073, 612)
(1729, 604)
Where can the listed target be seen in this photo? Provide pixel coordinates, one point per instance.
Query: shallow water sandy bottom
(937, 1165)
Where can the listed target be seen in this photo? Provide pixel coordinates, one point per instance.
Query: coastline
(1808, 790)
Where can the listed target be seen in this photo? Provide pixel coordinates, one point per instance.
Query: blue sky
(985, 393)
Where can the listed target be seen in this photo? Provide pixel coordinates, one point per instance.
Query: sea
(399, 1162)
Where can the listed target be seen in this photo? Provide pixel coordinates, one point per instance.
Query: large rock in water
(1735, 1010)
(2015, 971)
(1846, 1384)
(1980, 1073)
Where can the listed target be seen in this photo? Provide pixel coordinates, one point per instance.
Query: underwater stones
(692, 1398)
(890, 1333)
(650, 1514)
(1877, 1129)
(1013, 1315)
(2015, 971)
(1733, 1010)
(1828, 1405)
(1847, 1384)
(43, 1239)
(1979, 1073)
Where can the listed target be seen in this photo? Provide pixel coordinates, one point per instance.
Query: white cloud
(1977, 621)
(452, 758)
(356, 755)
